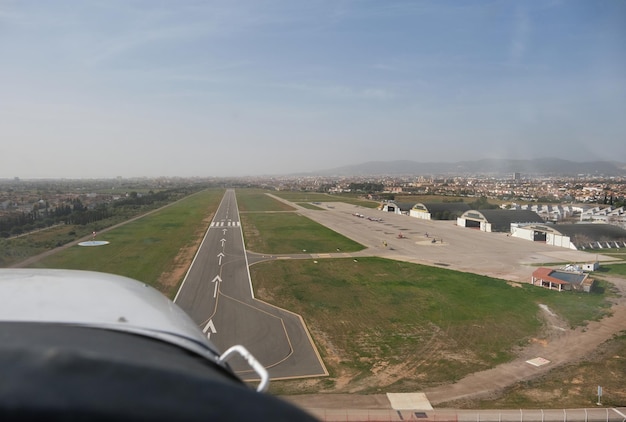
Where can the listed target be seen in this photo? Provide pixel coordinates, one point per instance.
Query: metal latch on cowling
(254, 364)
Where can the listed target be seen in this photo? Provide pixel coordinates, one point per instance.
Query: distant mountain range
(543, 166)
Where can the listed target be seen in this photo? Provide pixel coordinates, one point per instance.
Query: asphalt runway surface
(217, 294)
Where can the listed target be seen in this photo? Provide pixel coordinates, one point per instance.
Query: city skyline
(105, 89)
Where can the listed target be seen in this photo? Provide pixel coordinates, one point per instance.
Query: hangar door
(473, 220)
(472, 224)
(539, 236)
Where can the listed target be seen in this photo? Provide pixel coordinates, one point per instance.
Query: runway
(217, 293)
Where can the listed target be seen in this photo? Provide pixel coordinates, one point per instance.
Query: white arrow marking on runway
(224, 231)
(210, 326)
(220, 256)
(217, 280)
(223, 241)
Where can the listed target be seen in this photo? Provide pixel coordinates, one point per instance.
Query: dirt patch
(372, 375)
(553, 328)
(332, 357)
(387, 373)
(541, 341)
(555, 325)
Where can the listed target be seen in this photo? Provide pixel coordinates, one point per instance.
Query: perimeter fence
(519, 415)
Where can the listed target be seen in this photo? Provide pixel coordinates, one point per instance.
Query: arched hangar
(397, 207)
(574, 236)
(496, 220)
(439, 210)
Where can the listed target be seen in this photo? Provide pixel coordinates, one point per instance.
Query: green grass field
(146, 248)
(250, 200)
(266, 230)
(311, 206)
(612, 269)
(297, 196)
(17, 249)
(423, 325)
(289, 233)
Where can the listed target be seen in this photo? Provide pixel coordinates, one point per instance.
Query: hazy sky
(105, 88)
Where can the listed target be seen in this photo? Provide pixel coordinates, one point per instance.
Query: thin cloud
(343, 92)
(9, 16)
(384, 66)
(127, 42)
(138, 28)
(521, 35)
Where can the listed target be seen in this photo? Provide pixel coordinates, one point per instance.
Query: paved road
(217, 294)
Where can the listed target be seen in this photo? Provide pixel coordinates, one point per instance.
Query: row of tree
(366, 187)
(24, 222)
(76, 213)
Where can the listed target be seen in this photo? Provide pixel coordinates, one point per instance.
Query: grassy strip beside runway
(310, 206)
(291, 233)
(383, 325)
(324, 197)
(251, 200)
(147, 248)
(270, 232)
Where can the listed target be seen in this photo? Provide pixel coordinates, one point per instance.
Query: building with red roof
(561, 280)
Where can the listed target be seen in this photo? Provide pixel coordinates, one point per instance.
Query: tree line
(76, 213)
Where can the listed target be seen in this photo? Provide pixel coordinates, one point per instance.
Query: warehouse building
(497, 220)
(573, 236)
